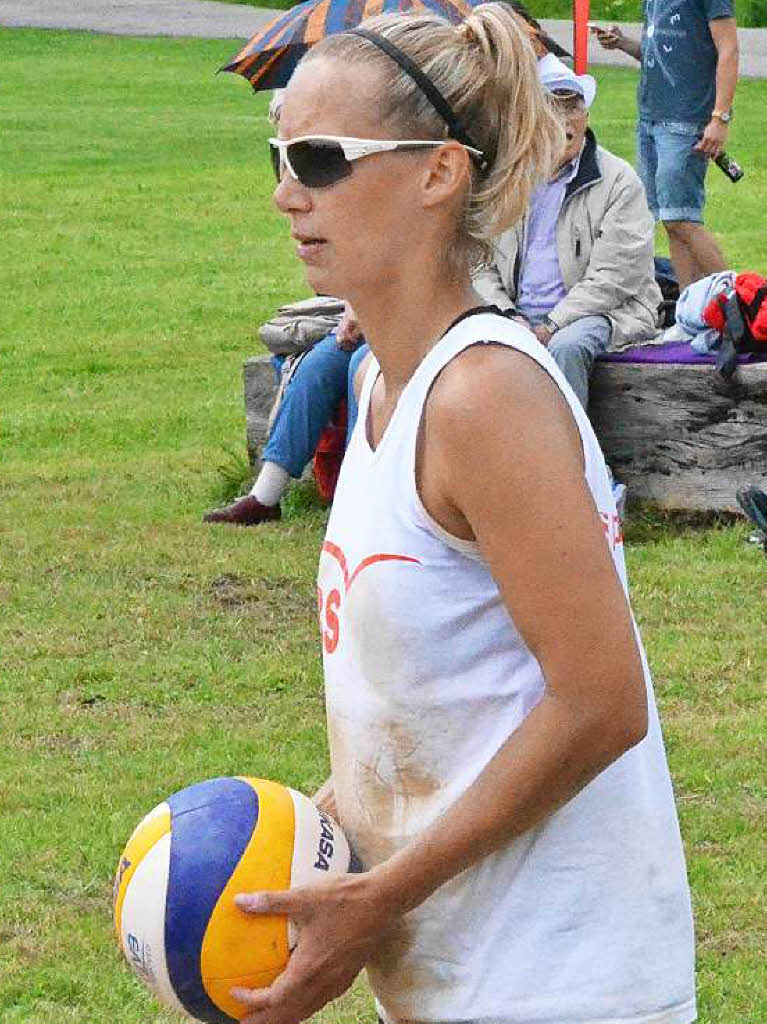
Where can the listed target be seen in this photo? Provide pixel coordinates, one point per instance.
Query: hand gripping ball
(174, 891)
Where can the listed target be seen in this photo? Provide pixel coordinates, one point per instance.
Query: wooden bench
(674, 434)
(677, 436)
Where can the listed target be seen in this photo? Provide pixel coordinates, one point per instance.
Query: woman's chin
(323, 281)
(317, 279)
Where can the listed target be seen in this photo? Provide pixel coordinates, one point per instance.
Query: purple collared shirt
(540, 280)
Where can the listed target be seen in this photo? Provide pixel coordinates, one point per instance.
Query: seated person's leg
(310, 399)
(351, 401)
(574, 349)
(308, 404)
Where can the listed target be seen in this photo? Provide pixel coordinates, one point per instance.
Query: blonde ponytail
(528, 137)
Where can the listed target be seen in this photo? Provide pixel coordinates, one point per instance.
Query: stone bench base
(260, 383)
(677, 436)
(673, 434)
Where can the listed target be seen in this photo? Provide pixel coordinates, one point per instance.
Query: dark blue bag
(666, 280)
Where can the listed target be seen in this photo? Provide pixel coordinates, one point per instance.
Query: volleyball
(175, 916)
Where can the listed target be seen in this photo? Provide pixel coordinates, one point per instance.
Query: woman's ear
(447, 174)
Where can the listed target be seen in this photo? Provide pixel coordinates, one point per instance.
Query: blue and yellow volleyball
(176, 880)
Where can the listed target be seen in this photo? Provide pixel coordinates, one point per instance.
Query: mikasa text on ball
(175, 915)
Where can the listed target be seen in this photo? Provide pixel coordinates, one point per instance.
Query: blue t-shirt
(677, 80)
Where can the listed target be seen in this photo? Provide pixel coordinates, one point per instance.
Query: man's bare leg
(694, 251)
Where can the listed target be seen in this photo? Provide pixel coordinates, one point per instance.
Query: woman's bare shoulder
(497, 387)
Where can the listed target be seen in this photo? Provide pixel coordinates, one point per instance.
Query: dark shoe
(247, 511)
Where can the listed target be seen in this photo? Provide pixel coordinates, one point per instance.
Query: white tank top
(585, 918)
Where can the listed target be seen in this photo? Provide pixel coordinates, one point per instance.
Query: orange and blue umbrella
(270, 57)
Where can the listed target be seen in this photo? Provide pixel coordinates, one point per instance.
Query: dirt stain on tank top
(384, 792)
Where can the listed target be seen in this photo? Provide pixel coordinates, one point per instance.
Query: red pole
(581, 35)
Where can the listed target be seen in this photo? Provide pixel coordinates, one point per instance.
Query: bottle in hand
(728, 166)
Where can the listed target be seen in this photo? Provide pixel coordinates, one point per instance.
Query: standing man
(689, 58)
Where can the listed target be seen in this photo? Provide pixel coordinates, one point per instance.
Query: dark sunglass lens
(318, 164)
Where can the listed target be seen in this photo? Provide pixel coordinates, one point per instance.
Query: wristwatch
(725, 116)
(550, 325)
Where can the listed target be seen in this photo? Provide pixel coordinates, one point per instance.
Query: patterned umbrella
(270, 57)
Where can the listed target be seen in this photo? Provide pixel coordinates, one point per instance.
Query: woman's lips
(308, 247)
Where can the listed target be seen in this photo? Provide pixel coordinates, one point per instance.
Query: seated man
(579, 270)
(310, 399)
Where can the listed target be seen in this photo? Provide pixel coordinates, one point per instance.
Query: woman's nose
(291, 195)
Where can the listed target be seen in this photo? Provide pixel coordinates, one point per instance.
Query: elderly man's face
(573, 111)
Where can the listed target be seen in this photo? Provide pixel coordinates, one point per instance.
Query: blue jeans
(574, 349)
(310, 399)
(354, 365)
(672, 173)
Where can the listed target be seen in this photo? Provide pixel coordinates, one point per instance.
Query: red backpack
(330, 454)
(741, 317)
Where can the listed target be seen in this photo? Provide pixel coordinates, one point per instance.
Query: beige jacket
(605, 241)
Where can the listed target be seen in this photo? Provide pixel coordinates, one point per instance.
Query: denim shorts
(672, 172)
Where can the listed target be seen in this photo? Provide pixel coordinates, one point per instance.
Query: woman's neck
(404, 319)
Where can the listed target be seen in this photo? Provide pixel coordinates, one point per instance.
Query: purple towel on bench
(668, 352)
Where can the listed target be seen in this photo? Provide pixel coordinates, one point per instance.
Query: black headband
(454, 127)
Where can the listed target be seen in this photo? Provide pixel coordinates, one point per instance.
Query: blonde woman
(496, 755)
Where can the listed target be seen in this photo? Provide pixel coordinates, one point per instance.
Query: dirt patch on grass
(729, 941)
(22, 941)
(274, 602)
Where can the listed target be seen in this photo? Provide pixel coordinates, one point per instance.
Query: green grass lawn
(141, 650)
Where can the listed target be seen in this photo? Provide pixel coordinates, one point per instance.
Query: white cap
(556, 75)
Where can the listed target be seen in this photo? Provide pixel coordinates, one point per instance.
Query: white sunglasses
(321, 160)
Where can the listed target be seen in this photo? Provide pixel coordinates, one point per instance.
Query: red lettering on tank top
(330, 609)
(611, 524)
(336, 552)
(331, 632)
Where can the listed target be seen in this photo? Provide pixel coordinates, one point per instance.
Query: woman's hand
(340, 924)
(348, 332)
(543, 334)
